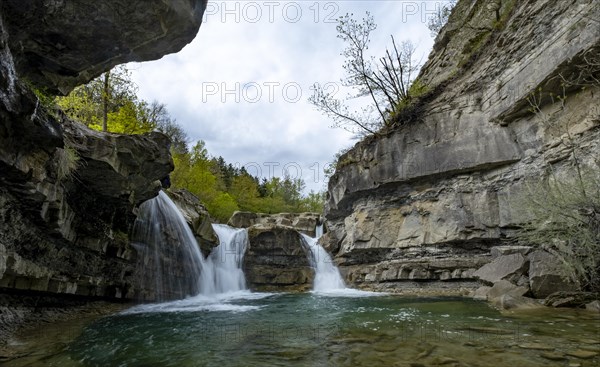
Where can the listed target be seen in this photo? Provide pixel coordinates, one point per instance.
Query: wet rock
(535, 346)
(504, 287)
(582, 354)
(509, 302)
(441, 361)
(546, 275)
(481, 294)
(553, 356)
(593, 306)
(505, 267)
(570, 299)
(197, 218)
(68, 195)
(276, 259)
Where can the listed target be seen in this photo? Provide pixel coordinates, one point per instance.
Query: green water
(313, 330)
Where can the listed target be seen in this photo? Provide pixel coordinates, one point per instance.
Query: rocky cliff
(68, 194)
(422, 206)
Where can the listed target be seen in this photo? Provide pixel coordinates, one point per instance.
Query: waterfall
(169, 252)
(327, 275)
(224, 264)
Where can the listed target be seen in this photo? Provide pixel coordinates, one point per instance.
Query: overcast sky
(243, 84)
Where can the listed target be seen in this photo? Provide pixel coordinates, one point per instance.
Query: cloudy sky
(243, 84)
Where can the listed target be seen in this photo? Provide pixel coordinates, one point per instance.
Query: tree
(386, 82)
(437, 21)
(98, 104)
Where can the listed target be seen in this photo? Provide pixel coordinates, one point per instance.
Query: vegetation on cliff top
(110, 103)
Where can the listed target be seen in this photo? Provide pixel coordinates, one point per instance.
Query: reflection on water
(253, 329)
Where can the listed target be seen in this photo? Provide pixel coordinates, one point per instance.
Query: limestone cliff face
(423, 205)
(68, 194)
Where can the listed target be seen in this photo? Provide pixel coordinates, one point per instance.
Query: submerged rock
(546, 275)
(507, 267)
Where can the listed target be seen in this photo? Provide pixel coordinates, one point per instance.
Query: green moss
(505, 12)
(47, 100)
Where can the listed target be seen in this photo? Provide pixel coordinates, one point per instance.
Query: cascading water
(167, 247)
(224, 264)
(327, 275)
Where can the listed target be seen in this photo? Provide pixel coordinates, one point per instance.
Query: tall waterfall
(327, 275)
(169, 252)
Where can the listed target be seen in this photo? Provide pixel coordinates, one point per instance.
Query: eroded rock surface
(277, 259)
(61, 44)
(68, 194)
(302, 222)
(428, 201)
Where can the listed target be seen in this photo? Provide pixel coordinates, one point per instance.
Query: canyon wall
(68, 194)
(422, 206)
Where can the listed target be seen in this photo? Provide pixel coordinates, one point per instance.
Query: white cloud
(229, 54)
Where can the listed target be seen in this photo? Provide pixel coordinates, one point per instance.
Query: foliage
(67, 161)
(437, 21)
(385, 83)
(565, 206)
(98, 104)
(224, 188)
(566, 221)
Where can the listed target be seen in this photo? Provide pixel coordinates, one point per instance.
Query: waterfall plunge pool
(312, 329)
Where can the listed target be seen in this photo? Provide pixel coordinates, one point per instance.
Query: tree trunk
(105, 94)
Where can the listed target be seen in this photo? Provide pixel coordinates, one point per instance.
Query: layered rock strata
(68, 194)
(423, 205)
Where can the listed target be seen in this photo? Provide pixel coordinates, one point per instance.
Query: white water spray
(327, 275)
(168, 249)
(223, 269)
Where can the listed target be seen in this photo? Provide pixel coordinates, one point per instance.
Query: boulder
(505, 267)
(503, 287)
(481, 294)
(509, 302)
(546, 275)
(197, 217)
(593, 306)
(276, 259)
(571, 299)
(56, 44)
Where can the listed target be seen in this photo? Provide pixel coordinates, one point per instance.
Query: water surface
(344, 328)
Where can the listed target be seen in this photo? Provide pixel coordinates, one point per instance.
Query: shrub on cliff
(566, 221)
(385, 83)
